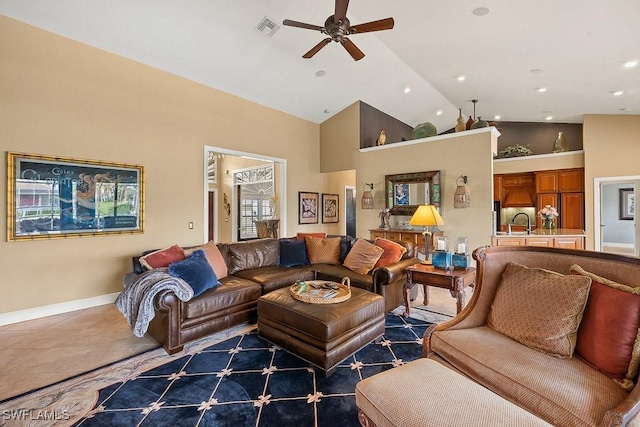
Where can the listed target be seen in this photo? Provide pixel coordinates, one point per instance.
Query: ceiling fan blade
(341, 10)
(367, 27)
(297, 24)
(317, 48)
(353, 50)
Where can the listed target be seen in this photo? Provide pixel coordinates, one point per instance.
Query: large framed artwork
(330, 208)
(307, 207)
(627, 204)
(49, 197)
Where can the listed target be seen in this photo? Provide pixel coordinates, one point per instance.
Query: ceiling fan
(337, 27)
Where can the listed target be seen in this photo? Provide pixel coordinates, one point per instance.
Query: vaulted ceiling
(546, 60)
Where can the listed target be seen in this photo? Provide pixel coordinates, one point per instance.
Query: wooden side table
(426, 275)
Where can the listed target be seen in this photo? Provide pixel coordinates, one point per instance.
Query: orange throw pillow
(608, 335)
(301, 236)
(214, 257)
(323, 250)
(393, 252)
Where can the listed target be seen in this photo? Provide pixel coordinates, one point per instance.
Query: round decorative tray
(321, 291)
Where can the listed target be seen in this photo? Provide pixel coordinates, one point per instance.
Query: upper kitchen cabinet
(498, 191)
(519, 190)
(560, 181)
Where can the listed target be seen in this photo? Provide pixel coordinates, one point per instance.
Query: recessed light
(549, 118)
(320, 73)
(625, 109)
(616, 92)
(630, 64)
(407, 89)
(439, 113)
(461, 78)
(497, 117)
(541, 89)
(480, 11)
(536, 70)
(327, 111)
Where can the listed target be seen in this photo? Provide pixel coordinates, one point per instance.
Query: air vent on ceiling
(267, 27)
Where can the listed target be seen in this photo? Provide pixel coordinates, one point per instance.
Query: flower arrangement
(548, 214)
(515, 150)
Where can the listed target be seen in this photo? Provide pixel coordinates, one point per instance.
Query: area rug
(246, 381)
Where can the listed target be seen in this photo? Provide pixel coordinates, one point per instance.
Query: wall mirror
(404, 192)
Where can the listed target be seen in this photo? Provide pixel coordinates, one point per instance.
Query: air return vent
(267, 27)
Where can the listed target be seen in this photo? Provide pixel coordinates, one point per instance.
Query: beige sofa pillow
(363, 256)
(539, 308)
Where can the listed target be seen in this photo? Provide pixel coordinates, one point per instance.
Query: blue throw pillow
(196, 271)
(293, 252)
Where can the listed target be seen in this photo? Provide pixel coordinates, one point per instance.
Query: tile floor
(43, 351)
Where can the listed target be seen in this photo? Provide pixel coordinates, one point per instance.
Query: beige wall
(611, 149)
(60, 97)
(539, 163)
(470, 153)
(340, 140)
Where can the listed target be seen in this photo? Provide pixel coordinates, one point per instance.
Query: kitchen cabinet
(498, 192)
(560, 181)
(572, 212)
(574, 241)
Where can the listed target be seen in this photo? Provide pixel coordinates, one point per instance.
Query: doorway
(218, 165)
(350, 210)
(615, 223)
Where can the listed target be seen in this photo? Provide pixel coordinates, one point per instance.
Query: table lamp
(426, 216)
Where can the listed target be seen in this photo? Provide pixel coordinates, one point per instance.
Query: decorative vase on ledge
(548, 223)
(561, 144)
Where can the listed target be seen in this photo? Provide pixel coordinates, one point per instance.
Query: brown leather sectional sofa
(254, 271)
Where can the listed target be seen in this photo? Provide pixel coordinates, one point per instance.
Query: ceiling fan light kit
(338, 27)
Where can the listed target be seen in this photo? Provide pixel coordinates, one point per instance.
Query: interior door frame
(344, 197)
(281, 188)
(597, 206)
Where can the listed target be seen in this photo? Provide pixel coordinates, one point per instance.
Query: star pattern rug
(246, 381)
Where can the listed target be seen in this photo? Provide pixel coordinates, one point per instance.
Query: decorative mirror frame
(53, 197)
(431, 178)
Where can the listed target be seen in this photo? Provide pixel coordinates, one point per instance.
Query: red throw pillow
(607, 336)
(393, 252)
(163, 257)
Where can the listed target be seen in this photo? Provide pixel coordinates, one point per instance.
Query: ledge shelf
(430, 139)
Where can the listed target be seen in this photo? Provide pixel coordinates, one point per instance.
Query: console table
(427, 275)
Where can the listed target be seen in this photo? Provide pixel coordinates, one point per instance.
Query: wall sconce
(462, 195)
(367, 197)
(226, 204)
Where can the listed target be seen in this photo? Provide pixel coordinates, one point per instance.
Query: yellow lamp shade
(426, 216)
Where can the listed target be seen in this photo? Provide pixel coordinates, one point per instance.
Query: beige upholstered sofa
(553, 332)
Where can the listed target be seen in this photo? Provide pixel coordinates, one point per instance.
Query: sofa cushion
(393, 252)
(219, 301)
(302, 236)
(214, 256)
(614, 351)
(323, 250)
(346, 242)
(253, 254)
(363, 256)
(162, 257)
(196, 271)
(276, 277)
(563, 392)
(293, 252)
(336, 273)
(539, 308)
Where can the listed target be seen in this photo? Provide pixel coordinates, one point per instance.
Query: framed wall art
(50, 197)
(307, 208)
(627, 204)
(330, 207)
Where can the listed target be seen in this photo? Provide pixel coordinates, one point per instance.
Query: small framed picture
(627, 204)
(330, 208)
(307, 207)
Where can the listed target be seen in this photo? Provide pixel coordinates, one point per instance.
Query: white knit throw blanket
(136, 301)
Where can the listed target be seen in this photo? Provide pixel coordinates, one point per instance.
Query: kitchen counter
(568, 238)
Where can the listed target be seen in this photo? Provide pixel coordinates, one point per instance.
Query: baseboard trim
(618, 245)
(60, 308)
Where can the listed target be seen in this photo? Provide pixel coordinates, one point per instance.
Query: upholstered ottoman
(424, 393)
(322, 334)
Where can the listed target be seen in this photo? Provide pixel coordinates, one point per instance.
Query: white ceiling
(580, 46)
